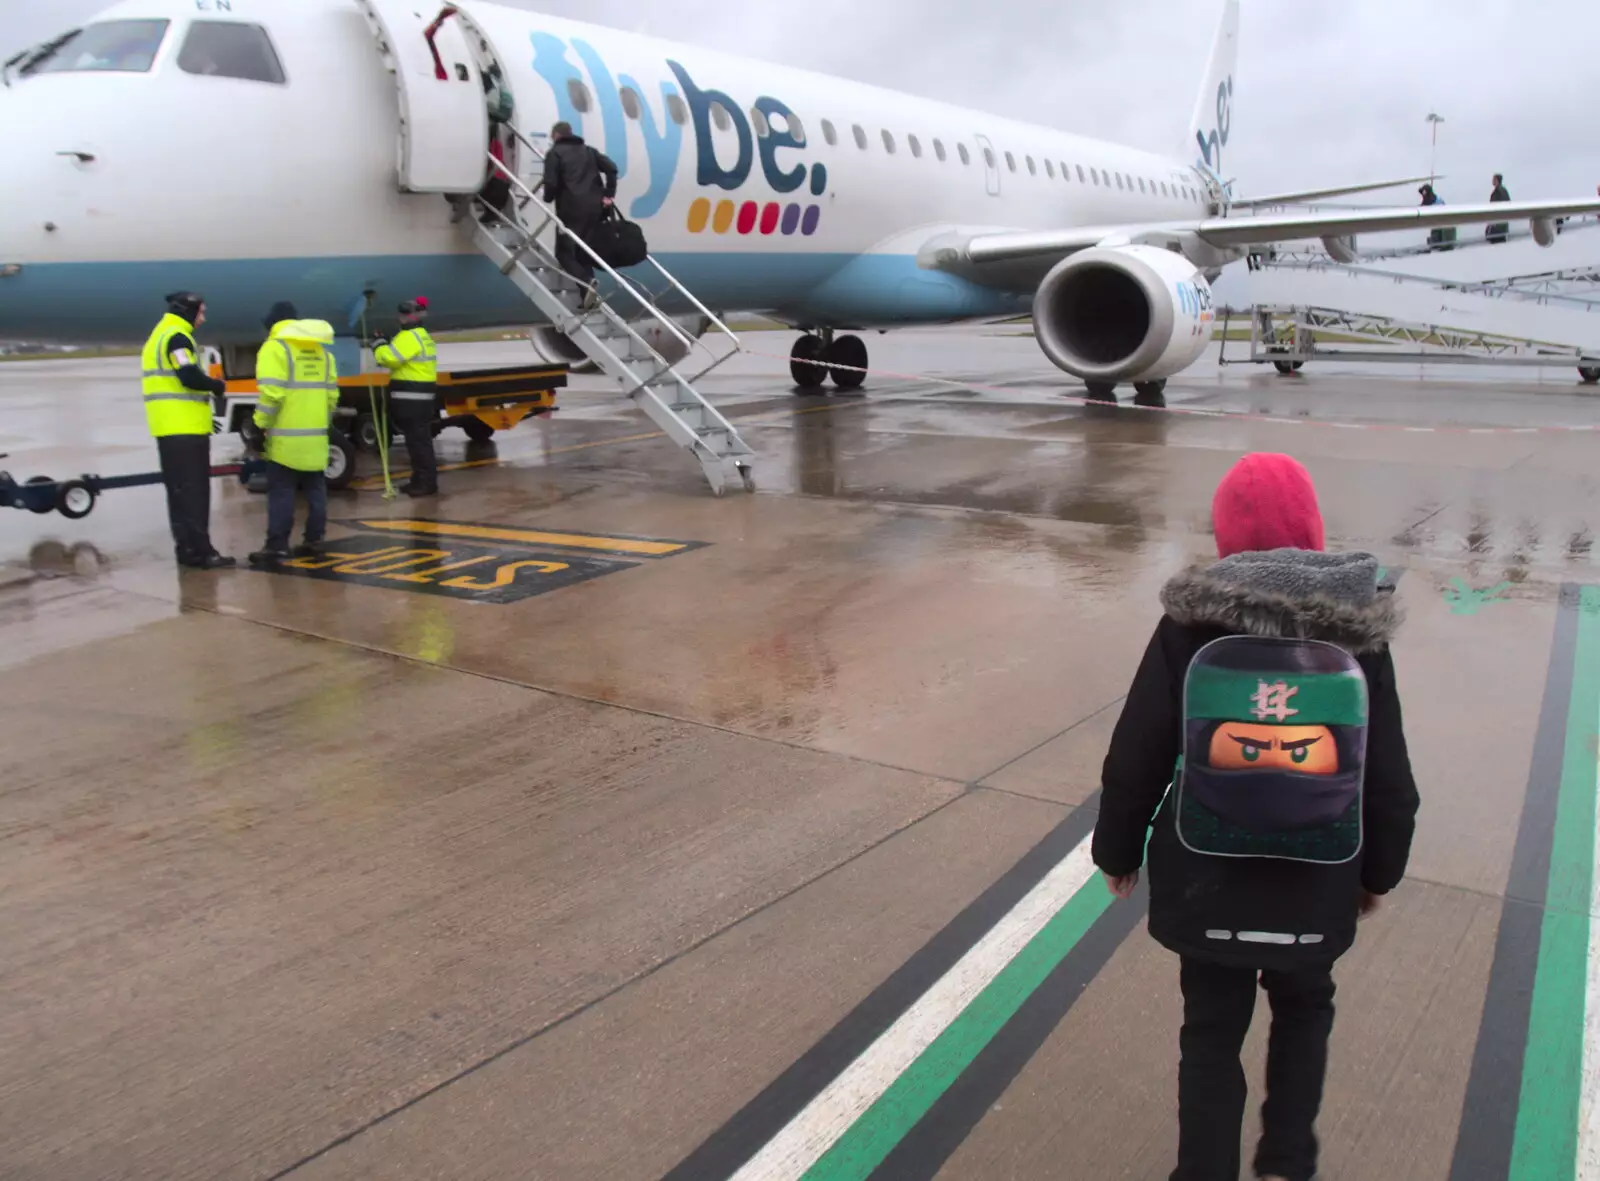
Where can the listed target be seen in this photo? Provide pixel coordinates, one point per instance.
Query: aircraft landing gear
(1102, 391)
(1150, 393)
(814, 357)
(805, 362)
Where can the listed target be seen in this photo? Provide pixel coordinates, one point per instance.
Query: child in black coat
(1236, 919)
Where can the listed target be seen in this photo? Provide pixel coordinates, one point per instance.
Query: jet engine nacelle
(1123, 313)
(556, 347)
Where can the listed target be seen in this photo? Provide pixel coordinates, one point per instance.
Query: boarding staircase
(612, 323)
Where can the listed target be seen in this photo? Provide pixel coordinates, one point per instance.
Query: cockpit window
(126, 47)
(230, 49)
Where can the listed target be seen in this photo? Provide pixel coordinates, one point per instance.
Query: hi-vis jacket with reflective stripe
(299, 388)
(170, 407)
(413, 364)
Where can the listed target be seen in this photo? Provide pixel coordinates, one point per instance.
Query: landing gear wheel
(75, 500)
(1150, 393)
(478, 430)
(804, 362)
(1288, 367)
(747, 477)
(341, 467)
(850, 351)
(42, 501)
(1589, 373)
(1102, 391)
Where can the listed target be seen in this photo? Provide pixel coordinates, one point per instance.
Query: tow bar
(75, 499)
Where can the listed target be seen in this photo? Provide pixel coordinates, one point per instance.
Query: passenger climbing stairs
(614, 324)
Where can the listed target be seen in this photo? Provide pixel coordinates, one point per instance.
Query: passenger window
(1080, 174)
(888, 142)
(1094, 174)
(1120, 185)
(988, 157)
(677, 109)
(759, 122)
(829, 134)
(579, 94)
(1033, 169)
(229, 49)
(795, 128)
(1141, 184)
(1050, 169)
(630, 102)
(861, 136)
(915, 145)
(124, 47)
(966, 156)
(938, 150)
(1011, 162)
(719, 116)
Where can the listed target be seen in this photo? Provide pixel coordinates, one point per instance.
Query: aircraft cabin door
(991, 164)
(444, 122)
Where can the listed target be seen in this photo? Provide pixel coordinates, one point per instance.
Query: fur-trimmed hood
(1299, 594)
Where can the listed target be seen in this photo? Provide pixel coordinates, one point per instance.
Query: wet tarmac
(579, 824)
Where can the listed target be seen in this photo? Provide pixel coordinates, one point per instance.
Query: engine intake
(1123, 313)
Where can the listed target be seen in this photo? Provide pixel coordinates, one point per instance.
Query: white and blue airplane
(255, 150)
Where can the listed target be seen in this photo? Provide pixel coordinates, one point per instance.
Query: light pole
(1433, 155)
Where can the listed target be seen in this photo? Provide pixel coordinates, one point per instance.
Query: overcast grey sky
(1327, 90)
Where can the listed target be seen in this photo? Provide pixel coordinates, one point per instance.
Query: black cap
(185, 303)
(412, 308)
(282, 310)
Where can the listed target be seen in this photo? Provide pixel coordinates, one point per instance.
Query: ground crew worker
(413, 364)
(178, 397)
(299, 391)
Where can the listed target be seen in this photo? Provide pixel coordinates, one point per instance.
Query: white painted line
(1419, 430)
(810, 1134)
(1588, 1163)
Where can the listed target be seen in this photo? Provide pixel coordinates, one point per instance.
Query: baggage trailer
(479, 401)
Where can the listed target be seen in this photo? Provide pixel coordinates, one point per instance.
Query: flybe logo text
(775, 151)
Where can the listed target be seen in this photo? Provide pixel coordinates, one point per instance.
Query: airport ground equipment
(1305, 310)
(479, 401)
(76, 498)
(613, 330)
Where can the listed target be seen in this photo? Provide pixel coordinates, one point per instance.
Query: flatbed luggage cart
(479, 401)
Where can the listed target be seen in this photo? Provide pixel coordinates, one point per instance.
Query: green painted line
(871, 1138)
(1546, 1143)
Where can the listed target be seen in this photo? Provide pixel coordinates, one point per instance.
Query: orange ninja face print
(1250, 746)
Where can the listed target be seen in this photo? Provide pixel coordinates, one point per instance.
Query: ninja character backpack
(1274, 751)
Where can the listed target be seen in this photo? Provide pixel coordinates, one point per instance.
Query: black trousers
(186, 471)
(415, 420)
(1218, 1003)
(282, 484)
(581, 219)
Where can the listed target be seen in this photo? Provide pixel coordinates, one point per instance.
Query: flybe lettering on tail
(1212, 142)
(661, 121)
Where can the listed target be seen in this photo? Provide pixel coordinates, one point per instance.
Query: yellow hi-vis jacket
(413, 363)
(170, 407)
(299, 391)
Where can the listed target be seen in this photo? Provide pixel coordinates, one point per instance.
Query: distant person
(1442, 238)
(1499, 231)
(412, 360)
(298, 382)
(178, 399)
(1276, 833)
(581, 183)
(496, 192)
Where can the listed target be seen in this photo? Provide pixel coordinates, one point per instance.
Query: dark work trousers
(581, 218)
(282, 484)
(415, 421)
(1217, 1005)
(186, 471)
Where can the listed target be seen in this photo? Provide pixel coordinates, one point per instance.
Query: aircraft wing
(1033, 248)
(1305, 195)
